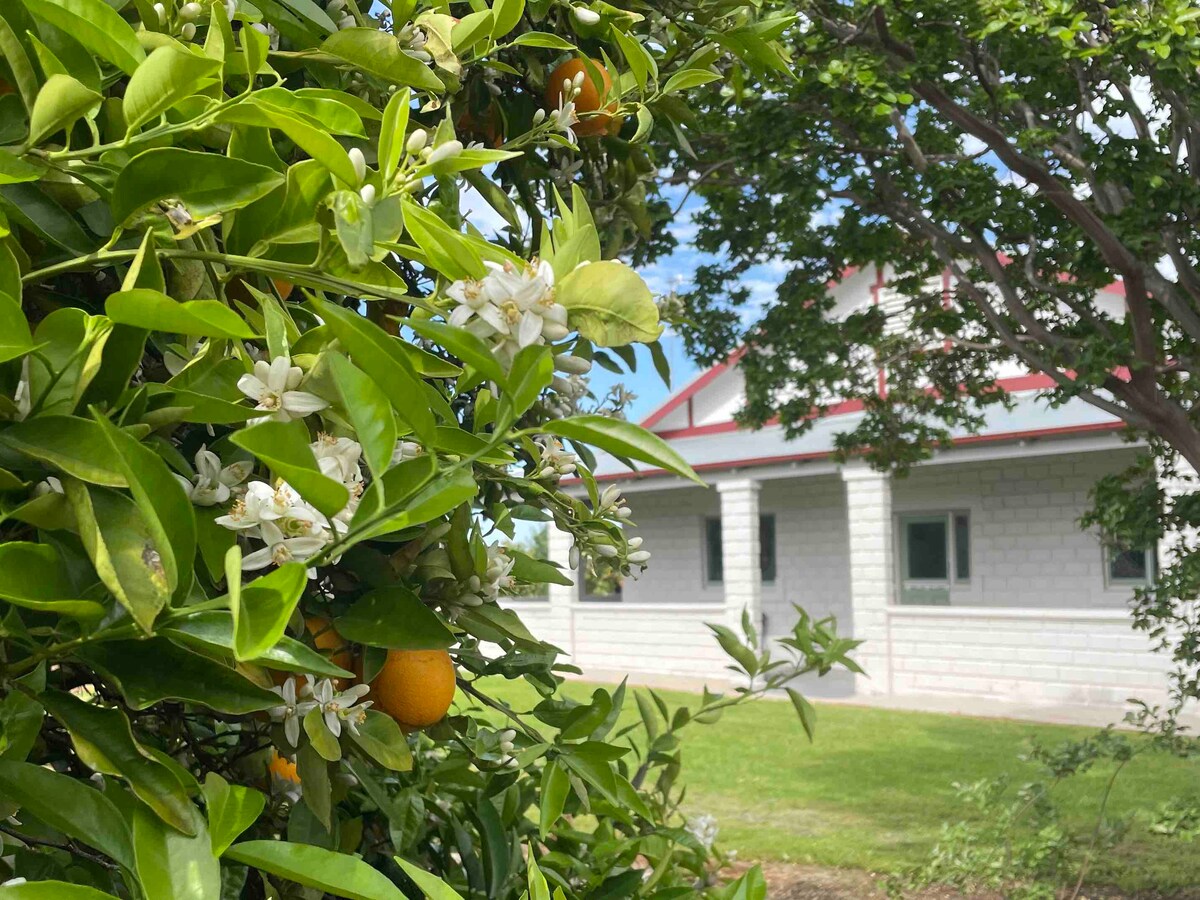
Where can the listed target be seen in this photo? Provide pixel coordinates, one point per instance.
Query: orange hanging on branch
(415, 687)
(594, 86)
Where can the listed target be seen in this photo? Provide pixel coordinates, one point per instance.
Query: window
(714, 559)
(766, 547)
(1130, 566)
(935, 552)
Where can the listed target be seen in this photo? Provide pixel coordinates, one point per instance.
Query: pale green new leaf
(155, 311)
(61, 101)
(284, 446)
(336, 873)
(171, 865)
(377, 52)
(432, 886)
(262, 608)
(609, 304)
(15, 338)
(368, 409)
(97, 26)
(168, 75)
(231, 810)
(623, 439)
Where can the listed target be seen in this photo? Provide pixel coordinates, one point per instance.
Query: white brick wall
(1026, 545)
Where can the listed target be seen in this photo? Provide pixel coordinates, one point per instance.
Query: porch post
(872, 572)
(563, 597)
(740, 551)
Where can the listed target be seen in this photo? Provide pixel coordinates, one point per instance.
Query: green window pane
(925, 550)
(962, 547)
(714, 562)
(766, 545)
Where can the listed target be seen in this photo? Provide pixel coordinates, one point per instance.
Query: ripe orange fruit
(284, 288)
(488, 126)
(415, 687)
(588, 98)
(282, 767)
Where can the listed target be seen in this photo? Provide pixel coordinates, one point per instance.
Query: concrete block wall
(1026, 545)
(1086, 657)
(869, 515)
(672, 524)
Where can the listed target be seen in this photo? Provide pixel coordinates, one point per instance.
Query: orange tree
(269, 404)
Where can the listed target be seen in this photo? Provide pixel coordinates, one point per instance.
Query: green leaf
(34, 576)
(150, 671)
(532, 372)
(377, 52)
(609, 304)
(123, 550)
(689, 78)
(806, 711)
(69, 805)
(20, 724)
(432, 886)
(750, 886)
(164, 505)
(206, 183)
(314, 141)
(284, 446)
(263, 608)
(231, 810)
(624, 439)
(320, 736)
(368, 410)
(328, 109)
(468, 30)
(15, 23)
(155, 311)
(174, 866)
(313, 771)
(104, 742)
(97, 26)
(15, 338)
(536, 571)
(336, 873)
(52, 890)
(213, 630)
(72, 445)
(168, 75)
(382, 740)
(542, 39)
(377, 353)
(463, 344)
(14, 169)
(392, 133)
(555, 787)
(394, 617)
(61, 101)
(506, 14)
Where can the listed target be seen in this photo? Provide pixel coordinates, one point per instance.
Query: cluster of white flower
(554, 461)
(337, 707)
(613, 506)
(478, 590)
(565, 117)
(212, 483)
(340, 14)
(565, 395)
(272, 385)
(411, 40)
(704, 829)
(511, 307)
(505, 747)
(290, 528)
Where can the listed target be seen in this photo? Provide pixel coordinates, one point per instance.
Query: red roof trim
(824, 454)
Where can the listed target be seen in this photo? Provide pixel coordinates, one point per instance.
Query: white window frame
(953, 582)
(1151, 554)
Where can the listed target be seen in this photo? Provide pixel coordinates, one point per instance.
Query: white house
(968, 577)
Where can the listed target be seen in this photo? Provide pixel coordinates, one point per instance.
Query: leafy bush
(269, 407)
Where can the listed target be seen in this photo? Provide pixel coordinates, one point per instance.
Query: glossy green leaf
(320, 737)
(123, 549)
(376, 352)
(313, 140)
(15, 338)
(52, 890)
(168, 75)
(506, 14)
(394, 617)
(70, 805)
(432, 886)
(623, 439)
(555, 787)
(34, 576)
(105, 743)
(150, 671)
(392, 135)
(313, 772)
(328, 110)
(97, 26)
(14, 24)
(542, 39)
(336, 873)
(463, 344)
(263, 609)
(382, 740)
(609, 304)
(689, 78)
(537, 571)
(231, 810)
(377, 52)
(206, 183)
(155, 311)
(61, 101)
(14, 169)
(213, 630)
(20, 725)
(806, 711)
(171, 865)
(72, 445)
(284, 446)
(368, 409)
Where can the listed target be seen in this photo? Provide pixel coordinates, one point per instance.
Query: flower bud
(572, 365)
(190, 11)
(586, 16)
(346, 22)
(368, 194)
(577, 81)
(624, 512)
(635, 542)
(608, 551)
(639, 557)
(188, 31)
(553, 331)
(448, 150)
(417, 141)
(335, 6)
(161, 12)
(359, 162)
(573, 557)
(539, 116)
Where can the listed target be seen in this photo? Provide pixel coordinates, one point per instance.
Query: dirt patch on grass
(787, 881)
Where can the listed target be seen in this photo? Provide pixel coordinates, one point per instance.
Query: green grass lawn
(875, 787)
